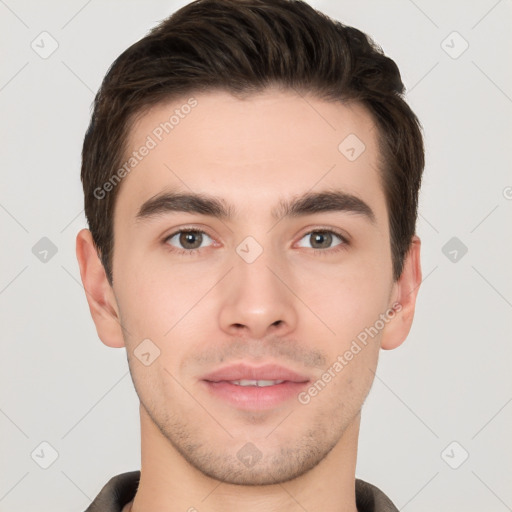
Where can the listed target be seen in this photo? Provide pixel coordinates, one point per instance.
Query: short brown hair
(245, 46)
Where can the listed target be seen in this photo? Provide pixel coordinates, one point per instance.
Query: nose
(258, 300)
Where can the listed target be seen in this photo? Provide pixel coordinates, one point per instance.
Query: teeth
(258, 383)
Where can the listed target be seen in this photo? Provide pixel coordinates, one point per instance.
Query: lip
(264, 372)
(254, 398)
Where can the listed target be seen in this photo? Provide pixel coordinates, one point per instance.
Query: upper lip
(244, 371)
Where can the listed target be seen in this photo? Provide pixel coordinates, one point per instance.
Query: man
(251, 176)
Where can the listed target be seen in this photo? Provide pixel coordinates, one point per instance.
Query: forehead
(252, 151)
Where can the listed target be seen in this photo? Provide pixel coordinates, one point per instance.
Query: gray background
(450, 381)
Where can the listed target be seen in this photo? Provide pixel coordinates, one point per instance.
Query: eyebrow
(203, 204)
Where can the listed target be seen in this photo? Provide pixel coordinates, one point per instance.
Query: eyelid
(345, 237)
(181, 229)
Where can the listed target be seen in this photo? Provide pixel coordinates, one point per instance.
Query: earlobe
(404, 295)
(99, 293)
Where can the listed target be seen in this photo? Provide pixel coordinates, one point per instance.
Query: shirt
(121, 489)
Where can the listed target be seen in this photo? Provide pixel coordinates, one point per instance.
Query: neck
(168, 482)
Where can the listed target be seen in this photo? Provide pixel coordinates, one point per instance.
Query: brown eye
(190, 240)
(322, 239)
(187, 240)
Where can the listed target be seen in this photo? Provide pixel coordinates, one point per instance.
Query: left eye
(322, 239)
(188, 239)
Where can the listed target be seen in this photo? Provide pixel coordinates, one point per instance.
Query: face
(240, 274)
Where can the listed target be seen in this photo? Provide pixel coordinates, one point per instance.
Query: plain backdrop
(436, 427)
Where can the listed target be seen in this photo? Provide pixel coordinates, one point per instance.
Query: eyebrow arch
(203, 204)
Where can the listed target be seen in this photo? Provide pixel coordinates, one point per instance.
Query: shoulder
(116, 493)
(370, 498)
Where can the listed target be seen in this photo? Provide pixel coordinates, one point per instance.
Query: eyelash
(323, 252)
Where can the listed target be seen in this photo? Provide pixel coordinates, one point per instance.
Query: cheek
(347, 297)
(165, 303)
(144, 300)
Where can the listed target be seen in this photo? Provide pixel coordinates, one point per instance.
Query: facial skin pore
(299, 304)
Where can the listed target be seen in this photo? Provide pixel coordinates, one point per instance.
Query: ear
(99, 293)
(403, 296)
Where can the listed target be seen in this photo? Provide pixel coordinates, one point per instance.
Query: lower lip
(254, 397)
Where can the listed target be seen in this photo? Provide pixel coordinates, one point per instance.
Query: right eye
(187, 241)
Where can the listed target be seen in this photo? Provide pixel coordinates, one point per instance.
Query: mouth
(254, 388)
(258, 383)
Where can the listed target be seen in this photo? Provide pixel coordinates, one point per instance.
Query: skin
(293, 305)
